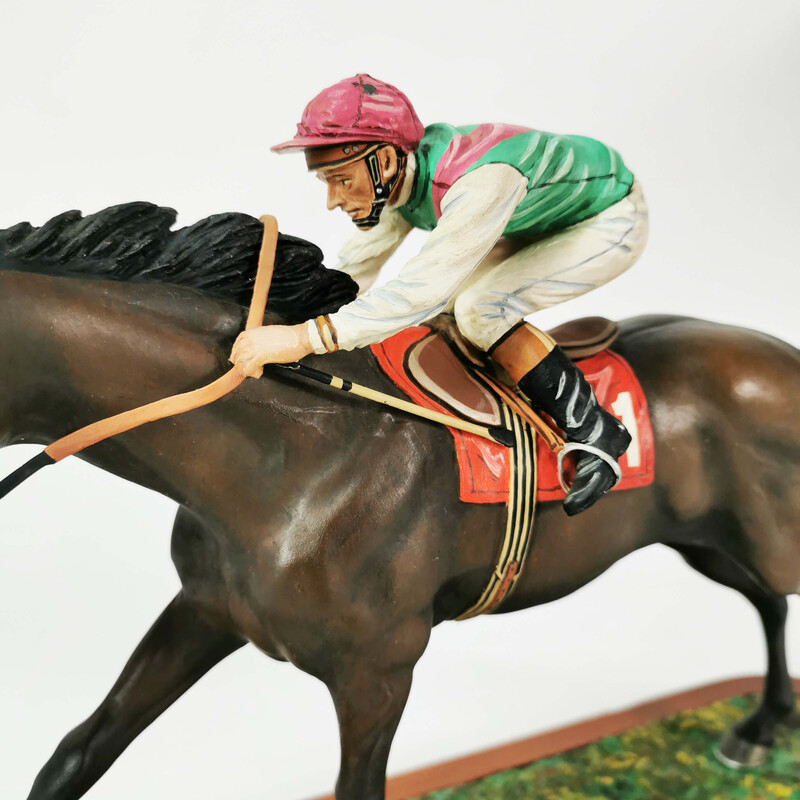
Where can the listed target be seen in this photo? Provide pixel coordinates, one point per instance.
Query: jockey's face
(350, 187)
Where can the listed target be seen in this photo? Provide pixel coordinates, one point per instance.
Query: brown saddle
(436, 368)
(584, 337)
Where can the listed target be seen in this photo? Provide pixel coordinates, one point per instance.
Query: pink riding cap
(358, 109)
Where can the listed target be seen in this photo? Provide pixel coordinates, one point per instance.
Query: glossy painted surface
(331, 535)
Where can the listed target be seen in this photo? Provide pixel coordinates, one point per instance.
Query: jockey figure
(519, 220)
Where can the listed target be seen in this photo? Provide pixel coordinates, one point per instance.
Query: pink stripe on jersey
(463, 152)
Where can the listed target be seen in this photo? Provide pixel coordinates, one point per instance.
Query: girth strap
(519, 523)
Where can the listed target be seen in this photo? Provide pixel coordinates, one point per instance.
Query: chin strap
(381, 191)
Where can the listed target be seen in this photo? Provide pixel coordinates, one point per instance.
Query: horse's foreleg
(747, 743)
(370, 690)
(175, 653)
(369, 706)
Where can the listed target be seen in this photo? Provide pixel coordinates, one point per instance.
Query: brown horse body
(328, 531)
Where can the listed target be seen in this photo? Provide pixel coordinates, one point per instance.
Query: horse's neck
(73, 351)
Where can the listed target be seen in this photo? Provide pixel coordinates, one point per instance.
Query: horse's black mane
(218, 255)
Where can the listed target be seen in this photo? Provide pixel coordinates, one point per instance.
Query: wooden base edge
(543, 745)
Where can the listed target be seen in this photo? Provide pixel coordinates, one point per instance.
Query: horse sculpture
(328, 531)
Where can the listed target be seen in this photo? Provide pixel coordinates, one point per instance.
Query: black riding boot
(556, 386)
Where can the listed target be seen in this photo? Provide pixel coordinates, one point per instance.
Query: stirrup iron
(601, 454)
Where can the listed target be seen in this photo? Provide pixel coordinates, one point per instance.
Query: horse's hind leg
(748, 742)
(175, 653)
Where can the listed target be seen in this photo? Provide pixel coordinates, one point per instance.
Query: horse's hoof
(737, 753)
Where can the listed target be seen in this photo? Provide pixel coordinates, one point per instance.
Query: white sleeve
(475, 212)
(367, 251)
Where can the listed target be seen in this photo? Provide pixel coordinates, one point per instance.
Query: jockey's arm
(366, 252)
(475, 212)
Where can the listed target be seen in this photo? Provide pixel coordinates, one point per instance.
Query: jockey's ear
(387, 161)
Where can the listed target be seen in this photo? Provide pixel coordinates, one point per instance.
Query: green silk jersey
(570, 178)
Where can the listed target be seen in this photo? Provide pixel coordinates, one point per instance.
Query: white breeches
(521, 276)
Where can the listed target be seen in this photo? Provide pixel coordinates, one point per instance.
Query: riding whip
(494, 433)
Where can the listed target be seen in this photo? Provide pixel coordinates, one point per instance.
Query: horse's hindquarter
(724, 406)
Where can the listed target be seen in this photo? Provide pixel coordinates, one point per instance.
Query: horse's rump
(724, 406)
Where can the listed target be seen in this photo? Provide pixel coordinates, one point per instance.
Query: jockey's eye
(344, 181)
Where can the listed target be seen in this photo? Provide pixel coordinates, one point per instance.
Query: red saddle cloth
(484, 466)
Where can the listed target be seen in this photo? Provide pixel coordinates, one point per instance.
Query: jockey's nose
(334, 201)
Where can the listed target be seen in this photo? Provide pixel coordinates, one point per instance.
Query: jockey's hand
(272, 344)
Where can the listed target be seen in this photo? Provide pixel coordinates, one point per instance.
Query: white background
(176, 102)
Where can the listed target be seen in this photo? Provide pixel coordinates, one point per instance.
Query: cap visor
(304, 142)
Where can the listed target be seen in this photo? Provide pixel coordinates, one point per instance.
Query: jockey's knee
(480, 322)
(467, 320)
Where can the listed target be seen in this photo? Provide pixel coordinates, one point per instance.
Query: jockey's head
(356, 135)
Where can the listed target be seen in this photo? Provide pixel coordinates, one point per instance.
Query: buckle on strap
(601, 454)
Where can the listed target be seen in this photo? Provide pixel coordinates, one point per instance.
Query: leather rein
(180, 403)
(167, 406)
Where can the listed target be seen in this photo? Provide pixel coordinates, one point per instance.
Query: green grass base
(671, 759)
